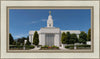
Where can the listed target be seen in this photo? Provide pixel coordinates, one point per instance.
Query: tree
(63, 38)
(11, 40)
(73, 39)
(82, 37)
(21, 40)
(89, 35)
(68, 37)
(80, 40)
(28, 43)
(36, 38)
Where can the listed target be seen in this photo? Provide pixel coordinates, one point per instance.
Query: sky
(21, 21)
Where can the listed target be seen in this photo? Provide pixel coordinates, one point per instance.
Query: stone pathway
(61, 48)
(36, 48)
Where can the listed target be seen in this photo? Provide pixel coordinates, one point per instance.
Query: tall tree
(36, 38)
(28, 43)
(82, 37)
(73, 39)
(89, 35)
(68, 37)
(63, 38)
(11, 40)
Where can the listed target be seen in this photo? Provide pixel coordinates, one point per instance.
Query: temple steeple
(49, 12)
(50, 20)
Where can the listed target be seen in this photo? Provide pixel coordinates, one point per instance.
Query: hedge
(70, 47)
(49, 47)
(21, 47)
(78, 46)
(83, 46)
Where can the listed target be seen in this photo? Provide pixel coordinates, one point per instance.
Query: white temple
(50, 35)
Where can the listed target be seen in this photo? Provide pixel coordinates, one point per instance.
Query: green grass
(18, 47)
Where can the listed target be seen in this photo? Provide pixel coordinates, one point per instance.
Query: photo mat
(84, 7)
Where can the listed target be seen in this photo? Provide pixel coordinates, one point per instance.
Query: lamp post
(75, 45)
(24, 44)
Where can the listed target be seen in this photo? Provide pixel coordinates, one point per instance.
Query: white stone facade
(50, 30)
(50, 35)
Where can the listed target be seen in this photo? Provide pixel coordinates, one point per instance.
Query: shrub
(29, 46)
(83, 46)
(70, 47)
(78, 46)
(15, 46)
(21, 47)
(49, 47)
(46, 46)
(55, 47)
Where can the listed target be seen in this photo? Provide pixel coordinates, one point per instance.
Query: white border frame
(95, 54)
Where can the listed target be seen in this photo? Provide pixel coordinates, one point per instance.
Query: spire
(49, 12)
(50, 20)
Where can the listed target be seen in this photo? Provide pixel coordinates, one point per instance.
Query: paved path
(36, 48)
(61, 48)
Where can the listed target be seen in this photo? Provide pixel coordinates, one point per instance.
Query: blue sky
(23, 20)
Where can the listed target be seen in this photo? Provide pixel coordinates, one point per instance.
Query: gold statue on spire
(49, 12)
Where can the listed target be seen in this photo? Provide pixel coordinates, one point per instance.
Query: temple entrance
(49, 39)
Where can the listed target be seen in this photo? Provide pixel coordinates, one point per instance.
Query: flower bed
(49, 47)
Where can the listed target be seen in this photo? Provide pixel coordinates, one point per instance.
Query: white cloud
(44, 20)
(34, 22)
(21, 35)
(17, 36)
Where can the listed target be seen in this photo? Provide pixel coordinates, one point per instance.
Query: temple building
(50, 35)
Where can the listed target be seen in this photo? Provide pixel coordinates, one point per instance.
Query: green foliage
(45, 46)
(83, 46)
(68, 37)
(29, 46)
(21, 47)
(89, 35)
(78, 46)
(36, 41)
(49, 47)
(11, 40)
(28, 43)
(83, 37)
(14, 43)
(36, 38)
(80, 40)
(15, 46)
(54, 46)
(73, 39)
(18, 43)
(70, 47)
(21, 40)
(64, 38)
